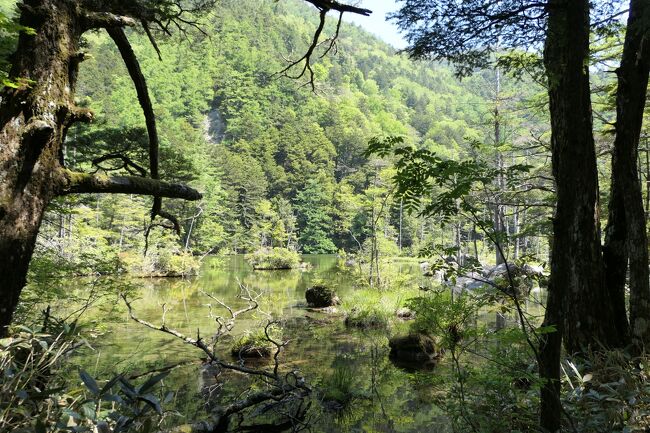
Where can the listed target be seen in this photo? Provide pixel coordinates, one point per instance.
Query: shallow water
(384, 398)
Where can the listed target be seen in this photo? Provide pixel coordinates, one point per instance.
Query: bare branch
(140, 83)
(341, 7)
(324, 6)
(127, 163)
(147, 30)
(281, 389)
(333, 39)
(198, 343)
(306, 58)
(133, 66)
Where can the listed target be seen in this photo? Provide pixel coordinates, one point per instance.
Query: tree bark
(33, 122)
(76, 183)
(626, 238)
(578, 306)
(576, 259)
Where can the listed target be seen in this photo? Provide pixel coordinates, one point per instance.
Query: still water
(383, 398)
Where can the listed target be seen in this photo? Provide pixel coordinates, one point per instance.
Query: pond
(384, 398)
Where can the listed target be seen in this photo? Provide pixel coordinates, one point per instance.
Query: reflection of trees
(384, 399)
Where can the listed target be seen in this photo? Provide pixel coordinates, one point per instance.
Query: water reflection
(357, 388)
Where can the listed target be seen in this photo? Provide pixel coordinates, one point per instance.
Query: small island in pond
(274, 259)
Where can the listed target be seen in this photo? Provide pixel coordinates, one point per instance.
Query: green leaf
(110, 384)
(90, 383)
(151, 401)
(151, 382)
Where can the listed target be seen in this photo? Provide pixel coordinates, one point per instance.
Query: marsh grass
(375, 308)
(255, 344)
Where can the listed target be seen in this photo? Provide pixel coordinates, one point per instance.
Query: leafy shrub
(30, 383)
(120, 406)
(37, 395)
(451, 319)
(273, 258)
(77, 260)
(161, 263)
(494, 397)
(608, 391)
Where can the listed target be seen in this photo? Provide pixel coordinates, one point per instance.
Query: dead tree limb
(282, 388)
(323, 6)
(140, 83)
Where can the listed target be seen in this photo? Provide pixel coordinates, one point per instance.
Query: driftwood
(285, 391)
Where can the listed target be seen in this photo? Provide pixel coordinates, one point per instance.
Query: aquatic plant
(374, 308)
(255, 344)
(369, 316)
(338, 386)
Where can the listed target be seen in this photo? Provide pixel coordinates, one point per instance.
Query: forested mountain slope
(279, 164)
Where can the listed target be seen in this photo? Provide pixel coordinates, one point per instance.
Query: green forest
(325, 233)
(278, 164)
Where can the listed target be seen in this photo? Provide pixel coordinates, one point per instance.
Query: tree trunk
(33, 123)
(626, 237)
(578, 305)
(499, 212)
(576, 259)
(34, 119)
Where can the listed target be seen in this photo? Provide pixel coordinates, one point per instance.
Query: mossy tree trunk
(33, 123)
(34, 119)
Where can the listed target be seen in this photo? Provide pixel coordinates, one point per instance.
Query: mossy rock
(405, 314)
(414, 351)
(321, 297)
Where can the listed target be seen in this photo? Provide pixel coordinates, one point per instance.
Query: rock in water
(414, 351)
(405, 314)
(321, 297)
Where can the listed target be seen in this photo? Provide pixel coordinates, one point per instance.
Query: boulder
(414, 350)
(525, 277)
(321, 297)
(515, 270)
(437, 275)
(405, 314)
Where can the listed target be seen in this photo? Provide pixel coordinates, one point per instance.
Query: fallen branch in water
(283, 389)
